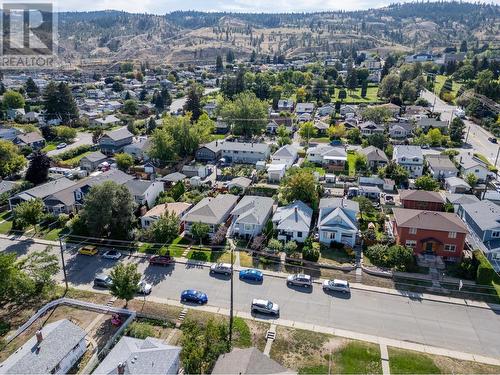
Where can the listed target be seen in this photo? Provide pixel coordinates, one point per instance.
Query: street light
(231, 299)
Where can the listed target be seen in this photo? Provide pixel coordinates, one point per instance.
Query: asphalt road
(449, 326)
(179, 103)
(82, 138)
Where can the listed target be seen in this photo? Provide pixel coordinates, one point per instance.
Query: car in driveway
(220, 268)
(191, 295)
(264, 306)
(161, 260)
(61, 145)
(299, 279)
(88, 250)
(336, 285)
(103, 281)
(144, 288)
(251, 275)
(389, 200)
(112, 254)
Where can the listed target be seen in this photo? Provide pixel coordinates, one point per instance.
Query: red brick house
(422, 200)
(430, 232)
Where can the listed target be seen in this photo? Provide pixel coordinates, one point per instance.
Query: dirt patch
(152, 310)
(258, 333)
(454, 366)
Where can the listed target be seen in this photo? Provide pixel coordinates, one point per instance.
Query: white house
(144, 191)
(338, 221)
(471, 164)
(285, 155)
(250, 216)
(293, 222)
(275, 172)
(410, 158)
(440, 166)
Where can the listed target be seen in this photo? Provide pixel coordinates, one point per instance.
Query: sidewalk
(356, 286)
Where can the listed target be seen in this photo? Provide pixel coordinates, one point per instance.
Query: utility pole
(467, 136)
(496, 159)
(232, 301)
(63, 263)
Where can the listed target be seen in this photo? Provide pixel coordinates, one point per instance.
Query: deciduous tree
(125, 281)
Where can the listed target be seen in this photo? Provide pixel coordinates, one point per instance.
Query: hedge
(485, 272)
(70, 154)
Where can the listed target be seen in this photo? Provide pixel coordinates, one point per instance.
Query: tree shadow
(156, 274)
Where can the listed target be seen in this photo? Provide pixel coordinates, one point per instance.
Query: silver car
(336, 286)
(299, 279)
(265, 307)
(221, 268)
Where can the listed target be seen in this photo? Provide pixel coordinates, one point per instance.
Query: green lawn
(242, 337)
(440, 82)
(406, 362)
(53, 234)
(206, 255)
(178, 246)
(358, 358)
(5, 215)
(218, 136)
(73, 162)
(355, 96)
(320, 140)
(5, 227)
(351, 162)
(50, 146)
(335, 256)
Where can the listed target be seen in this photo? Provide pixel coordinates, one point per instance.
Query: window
(452, 234)
(413, 231)
(299, 234)
(411, 243)
(248, 226)
(495, 234)
(450, 248)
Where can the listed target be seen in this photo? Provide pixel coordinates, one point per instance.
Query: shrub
(485, 272)
(396, 256)
(141, 330)
(275, 245)
(311, 251)
(290, 247)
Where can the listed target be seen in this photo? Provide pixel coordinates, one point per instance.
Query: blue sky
(164, 6)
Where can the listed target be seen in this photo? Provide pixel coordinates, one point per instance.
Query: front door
(428, 248)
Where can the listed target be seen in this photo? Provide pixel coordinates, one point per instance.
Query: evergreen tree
(219, 65)
(31, 88)
(364, 89)
(38, 170)
(193, 103)
(59, 102)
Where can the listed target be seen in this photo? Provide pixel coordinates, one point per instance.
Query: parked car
(144, 287)
(265, 307)
(336, 285)
(103, 281)
(221, 268)
(389, 199)
(161, 260)
(112, 254)
(251, 275)
(299, 279)
(61, 145)
(492, 139)
(425, 147)
(195, 296)
(88, 250)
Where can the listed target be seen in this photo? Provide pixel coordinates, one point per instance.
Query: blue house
(338, 221)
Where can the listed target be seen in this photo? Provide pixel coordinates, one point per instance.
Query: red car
(161, 260)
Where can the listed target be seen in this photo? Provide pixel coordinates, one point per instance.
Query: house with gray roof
(440, 166)
(338, 221)
(250, 216)
(426, 123)
(458, 200)
(7, 186)
(31, 139)
(137, 357)
(248, 361)
(144, 192)
(91, 161)
(53, 350)
(138, 148)
(114, 141)
(333, 158)
(233, 152)
(8, 134)
(293, 222)
(369, 128)
(285, 155)
(410, 158)
(375, 157)
(401, 130)
(456, 185)
(40, 191)
(302, 108)
(471, 164)
(211, 211)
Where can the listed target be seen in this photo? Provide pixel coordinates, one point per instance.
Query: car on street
(88, 250)
(112, 254)
(144, 288)
(220, 268)
(264, 306)
(299, 279)
(425, 147)
(251, 275)
(103, 281)
(61, 145)
(161, 260)
(191, 295)
(492, 139)
(336, 285)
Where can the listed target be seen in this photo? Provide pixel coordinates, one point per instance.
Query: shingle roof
(430, 220)
(6, 186)
(461, 198)
(59, 338)
(237, 146)
(149, 356)
(421, 195)
(119, 134)
(456, 181)
(485, 214)
(173, 177)
(374, 153)
(287, 151)
(95, 156)
(212, 210)
(29, 138)
(253, 210)
(407, 151)
(138, 187)
(176, 207)
(247, 361)
(49, 188)
(440, 162)
(296, 216)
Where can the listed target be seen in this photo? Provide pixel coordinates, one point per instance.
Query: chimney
(121, 368)
(39, 337)
(296, 214)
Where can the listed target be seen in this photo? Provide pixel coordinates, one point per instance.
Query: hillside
(187, 36)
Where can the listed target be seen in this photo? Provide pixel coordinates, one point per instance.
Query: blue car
(251, 275)
(195, 296)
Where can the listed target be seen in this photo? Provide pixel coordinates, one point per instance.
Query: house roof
(485, 214)
(421, 195)
(331, 208)
(94, 157)
(456, 182)
(29, 138)
(296, 216)
(253, 209)
(142, 144)
(408, 152)
(59, 339)
(328, 150)
(173, 177)
(243, 182)
(429, 220)
(148, 356)
(247, 361)
(440, 162)
(304, 107)
(374, 153)
(426, 122)
(467, 162)
(138, 187)
(287, 151)
(49, 188)
(461, 199)
(178, 208)
(6, 186)
(212, 210)
(119, 134)
(218, 145)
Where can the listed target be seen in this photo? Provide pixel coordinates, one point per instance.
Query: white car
(61, 145)
(112, 254)
(144, 287)
(336, 286)
(299, 279)
(265, 307)
(221, 268)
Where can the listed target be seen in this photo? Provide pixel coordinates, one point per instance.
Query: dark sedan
(195, 296)
(161, 260)
(251, 275)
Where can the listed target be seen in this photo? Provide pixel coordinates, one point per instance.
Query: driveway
(82, 138)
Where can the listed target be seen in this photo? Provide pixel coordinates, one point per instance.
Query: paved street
(82, 138)
(179, 103)
(456, 327)
(478, 137)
